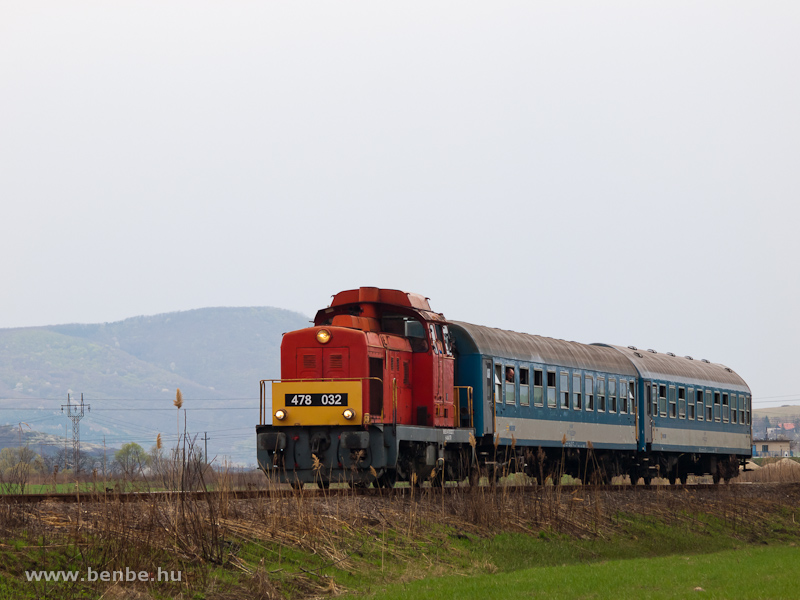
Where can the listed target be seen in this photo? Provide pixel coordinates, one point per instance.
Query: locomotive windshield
(415, 332)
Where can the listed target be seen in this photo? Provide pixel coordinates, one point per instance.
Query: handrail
(262, 408)
(394, 405)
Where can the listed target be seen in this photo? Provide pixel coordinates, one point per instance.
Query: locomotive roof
(654, 365)
(538, 349)
(382, 296)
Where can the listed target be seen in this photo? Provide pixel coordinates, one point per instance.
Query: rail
(285, 490)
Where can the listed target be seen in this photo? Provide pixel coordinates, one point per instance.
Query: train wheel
(647, 479)
(494, 472)
(323, 484)
(296, 485)
(684, 478)
(715, 477)
(474, 476)
(387, 479)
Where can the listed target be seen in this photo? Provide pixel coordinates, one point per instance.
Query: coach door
(647, 421)
(488, 400)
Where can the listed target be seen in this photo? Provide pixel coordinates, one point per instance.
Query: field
(728, 574)
(488, 540)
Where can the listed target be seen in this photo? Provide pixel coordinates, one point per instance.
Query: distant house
(787, 426)
(772, 448)
(774, 433)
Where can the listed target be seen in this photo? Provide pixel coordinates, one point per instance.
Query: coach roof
(654, 365)
(477, 339)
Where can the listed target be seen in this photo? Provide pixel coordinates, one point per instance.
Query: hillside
(774, 417)
(128, 372)
(788, 412)
(224, 349)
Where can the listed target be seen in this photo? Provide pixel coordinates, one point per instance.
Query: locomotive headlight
(323, 336)
(348, 414)
(280, 415)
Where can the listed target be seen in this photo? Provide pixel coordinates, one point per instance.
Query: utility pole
(205, 439)
(75, 415)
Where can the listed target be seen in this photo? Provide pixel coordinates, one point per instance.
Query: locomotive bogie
(360, 455)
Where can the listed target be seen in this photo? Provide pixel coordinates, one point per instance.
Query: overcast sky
(598, 171)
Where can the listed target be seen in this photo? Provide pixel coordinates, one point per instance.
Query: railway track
(287, 492)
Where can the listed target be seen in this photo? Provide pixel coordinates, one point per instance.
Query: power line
(253, 398)
(75, 416)
(197, 409)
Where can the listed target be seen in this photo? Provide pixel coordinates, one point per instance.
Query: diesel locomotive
(382, 389)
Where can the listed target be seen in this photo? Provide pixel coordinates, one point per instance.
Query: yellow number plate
(316, 402)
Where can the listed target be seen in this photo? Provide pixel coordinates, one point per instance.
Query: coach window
(690, 406)
(623, 396)
(601, 392)
(681, 403)
(551, 389)
(498, 383)
(577, 404)
(662, 400)
(631, 397)
(700, 412)
(564, 389)
(726, 408)
(716, 406)
(524, 389)
(741, 409)
(672, 412)
(538, 392)
(734, 409)
(747, 408)
(709, 407)
(589, 393)
(612, 394)
(655, 400)
(510, 385)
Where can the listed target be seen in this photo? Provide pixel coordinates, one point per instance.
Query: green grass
(70, 488)
(656, 546)
(748, 573)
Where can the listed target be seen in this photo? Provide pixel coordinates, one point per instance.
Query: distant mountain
(225, 349)
(129, 370)
(41, 443)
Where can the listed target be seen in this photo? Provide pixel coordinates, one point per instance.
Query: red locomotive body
(375, 360)
(408, 355)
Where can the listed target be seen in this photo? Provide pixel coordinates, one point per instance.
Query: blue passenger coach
(552, 400)
(546, 406)
(695, 415)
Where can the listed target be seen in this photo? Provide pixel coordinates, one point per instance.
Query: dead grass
(294, 545)
(784, 470)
